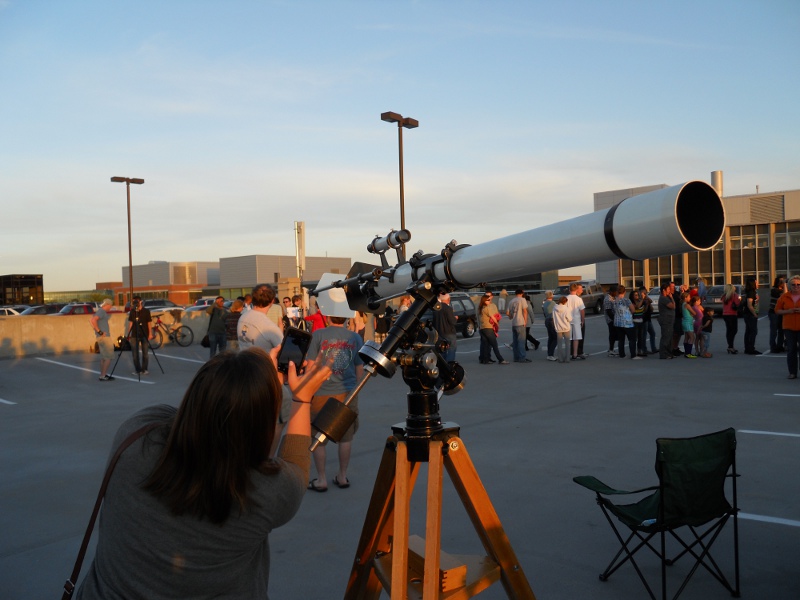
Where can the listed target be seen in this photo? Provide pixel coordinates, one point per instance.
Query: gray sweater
(144, 551)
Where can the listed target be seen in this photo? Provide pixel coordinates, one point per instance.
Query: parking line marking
(775, 520)
(6, 401)
(778, 433)
(54, 362)
(788, 395)
(194, 360)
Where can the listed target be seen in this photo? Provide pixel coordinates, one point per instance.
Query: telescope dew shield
(672, 220)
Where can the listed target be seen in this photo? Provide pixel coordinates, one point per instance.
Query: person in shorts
(105, 344)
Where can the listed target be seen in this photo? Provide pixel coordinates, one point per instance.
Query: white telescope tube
(672, 220)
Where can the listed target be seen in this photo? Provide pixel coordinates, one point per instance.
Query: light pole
(408, 123)
(128, 181)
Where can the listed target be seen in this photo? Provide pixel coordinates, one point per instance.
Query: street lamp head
(391, 117)
(135, 180)
(410, 123)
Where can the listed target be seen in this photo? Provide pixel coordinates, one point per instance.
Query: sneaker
(145, 372)
(504, 362)
(551, 358)
(136, 373)
(689, 356)
(612, 353)
(583, 356)
(106, 378)
(637, 358)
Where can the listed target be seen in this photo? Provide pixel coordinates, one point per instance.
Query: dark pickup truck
(592, 296)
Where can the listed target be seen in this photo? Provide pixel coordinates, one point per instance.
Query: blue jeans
(136, 343)
(450, 354)
(518, 342)
(217, 341)
(791, 338)
(775, 332)
(652, 332)
(489, 345)
(552, 336)
(750, 331)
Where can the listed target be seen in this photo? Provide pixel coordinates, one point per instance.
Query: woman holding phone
(191, 503)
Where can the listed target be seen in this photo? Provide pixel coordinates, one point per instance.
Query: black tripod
(139, 333)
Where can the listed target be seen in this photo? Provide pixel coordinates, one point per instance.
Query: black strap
(69, 585)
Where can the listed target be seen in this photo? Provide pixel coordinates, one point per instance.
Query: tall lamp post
(128, 181)
(408, 123)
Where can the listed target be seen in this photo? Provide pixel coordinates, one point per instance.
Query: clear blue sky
(245, 116)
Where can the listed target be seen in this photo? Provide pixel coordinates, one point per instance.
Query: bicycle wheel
(183, 335)
(157, 338)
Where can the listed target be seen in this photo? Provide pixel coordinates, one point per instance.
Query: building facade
(21, 289)
(761, 240)
(186, 282)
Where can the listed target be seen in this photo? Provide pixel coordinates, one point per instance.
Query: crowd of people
(686, 326)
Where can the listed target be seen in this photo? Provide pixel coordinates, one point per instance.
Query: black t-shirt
(144, 319)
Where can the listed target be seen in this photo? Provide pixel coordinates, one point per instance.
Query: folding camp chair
(691, 494)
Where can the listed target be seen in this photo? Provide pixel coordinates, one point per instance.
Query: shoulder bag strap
(69, 585)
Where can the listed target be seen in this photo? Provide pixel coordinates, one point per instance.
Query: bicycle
(180, 334)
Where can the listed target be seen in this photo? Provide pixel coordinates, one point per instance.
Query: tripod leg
(114, 368)
(485, 520)
(377, 531)
(153, 350)
(433, 524)
(402, 509)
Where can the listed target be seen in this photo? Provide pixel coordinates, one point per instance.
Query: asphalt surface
(529, 429)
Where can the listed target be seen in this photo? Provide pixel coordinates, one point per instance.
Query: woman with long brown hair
(191, 503)
(489, 319)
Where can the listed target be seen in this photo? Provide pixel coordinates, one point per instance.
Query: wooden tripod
(415, 568)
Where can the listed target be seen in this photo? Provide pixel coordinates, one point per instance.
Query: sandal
(344, 485)
(312, 486)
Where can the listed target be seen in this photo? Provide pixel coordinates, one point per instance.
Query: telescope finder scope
(394, 240)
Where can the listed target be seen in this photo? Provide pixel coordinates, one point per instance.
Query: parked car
(464, 310)
(195, 308)
(76, 309)
(654, 294)
(593, 295)
(7, 311)
(155, 304)
(42, 309)
(714, 298)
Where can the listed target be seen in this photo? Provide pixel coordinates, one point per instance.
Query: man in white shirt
(255, 328)
(575, 304)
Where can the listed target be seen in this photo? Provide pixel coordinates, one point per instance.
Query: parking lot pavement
(529, 429)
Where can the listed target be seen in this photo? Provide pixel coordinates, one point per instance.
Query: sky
(243, 117)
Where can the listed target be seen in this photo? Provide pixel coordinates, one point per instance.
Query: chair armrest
(599, 487)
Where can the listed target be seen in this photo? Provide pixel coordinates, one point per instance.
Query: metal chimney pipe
(716, 182)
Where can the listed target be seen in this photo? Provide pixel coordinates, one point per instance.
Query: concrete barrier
(36, 335)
